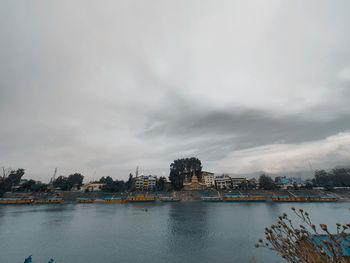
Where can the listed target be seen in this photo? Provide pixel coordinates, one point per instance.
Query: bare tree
(305, 243)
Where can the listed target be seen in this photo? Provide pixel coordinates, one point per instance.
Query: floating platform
(54, 200)
(141, 198)
(115, 200)
(244, 198)
(169, 199)
(86, 200)
(211, 198)
(286, 198)
(12, 201)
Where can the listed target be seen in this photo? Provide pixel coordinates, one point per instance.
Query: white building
(145, 182)
(92, 187)
(223, 182)
(209, 179)
(236, 181)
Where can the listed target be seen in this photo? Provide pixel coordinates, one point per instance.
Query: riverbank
(186, 196)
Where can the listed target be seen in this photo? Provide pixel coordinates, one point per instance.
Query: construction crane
(312, 170)
(53, 178)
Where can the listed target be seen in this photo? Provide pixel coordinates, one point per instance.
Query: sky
(100, 87)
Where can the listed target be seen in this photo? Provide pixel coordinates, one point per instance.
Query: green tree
(266, 182)
(160, 184)
(10, 180)
(113, 186)
(75, 179)
(38, 187)
(184, 168)
(130, 183)
(27, 186)
(61, 182)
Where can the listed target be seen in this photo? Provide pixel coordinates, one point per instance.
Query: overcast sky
(99, 87)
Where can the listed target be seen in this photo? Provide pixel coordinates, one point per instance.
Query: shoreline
(185, 196)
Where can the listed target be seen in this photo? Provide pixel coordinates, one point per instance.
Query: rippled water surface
(169, 232)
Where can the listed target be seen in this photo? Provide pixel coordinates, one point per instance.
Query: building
(289, 182)
(253, 183)
(194, 184)
(236, 181)
(209, 179)
(145, 182)
(223, 182)
(91, 187)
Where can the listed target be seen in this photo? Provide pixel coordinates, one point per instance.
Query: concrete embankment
(71, 196)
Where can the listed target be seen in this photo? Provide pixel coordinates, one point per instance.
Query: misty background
(99, 87)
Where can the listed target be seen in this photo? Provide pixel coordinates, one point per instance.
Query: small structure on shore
(195, 184)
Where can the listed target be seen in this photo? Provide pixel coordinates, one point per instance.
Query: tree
(184, 168)
(130, 183)
(113, 186)
(160, 184)
(266, 182)
(27, 186)
(336, 177)
(8, 180)
(15, 176)
(75, 179)
(102, 180)
(61, 182)
(38, 187)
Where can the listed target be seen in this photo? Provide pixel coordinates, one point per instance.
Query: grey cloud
(106, 86)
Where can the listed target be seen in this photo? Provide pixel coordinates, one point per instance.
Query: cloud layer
(103, 87)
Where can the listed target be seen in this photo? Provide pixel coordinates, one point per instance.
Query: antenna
(137, 171)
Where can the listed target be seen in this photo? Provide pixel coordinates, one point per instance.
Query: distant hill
(305, 174)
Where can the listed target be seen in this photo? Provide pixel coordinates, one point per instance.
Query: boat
(11, 201)
(244, 198)
(115, 200)
(169, 199)
(86, 200)
(211, 198)
(53, 200)
(287, 198)
(323, 198)
(173, 198)
(141, 198)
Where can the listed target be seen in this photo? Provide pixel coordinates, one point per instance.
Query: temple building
(194, 184)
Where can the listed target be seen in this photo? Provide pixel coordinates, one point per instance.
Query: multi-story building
(253, 183)
(236, 181)
(223, 182)
(289, 182)
(209, 179)
(145, 182)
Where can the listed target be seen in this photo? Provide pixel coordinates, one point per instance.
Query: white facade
(145, 182)
(223, 182)
(209, 180)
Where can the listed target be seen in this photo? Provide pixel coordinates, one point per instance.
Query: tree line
(110, 185)
(180, 170)
(338, 177)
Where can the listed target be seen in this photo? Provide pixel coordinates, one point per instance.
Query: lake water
(167, 232)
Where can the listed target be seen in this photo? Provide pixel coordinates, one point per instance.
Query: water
(167, 232)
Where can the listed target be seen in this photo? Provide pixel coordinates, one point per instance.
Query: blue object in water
(28, 259)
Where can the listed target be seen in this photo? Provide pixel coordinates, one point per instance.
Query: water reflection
(187, 231)
(154, 232)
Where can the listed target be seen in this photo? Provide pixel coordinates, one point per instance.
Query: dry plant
(305, 243)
